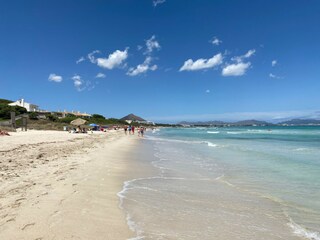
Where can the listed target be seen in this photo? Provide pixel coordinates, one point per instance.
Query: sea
(227, 183)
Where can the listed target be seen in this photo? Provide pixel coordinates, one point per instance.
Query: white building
(30, 107)
(76, 113)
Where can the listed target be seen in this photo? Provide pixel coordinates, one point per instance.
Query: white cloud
(142, 68)
(89, 86)
(80, 60)
(216, 41)
(201, 63)
(273, 63)
(78, 82)
(91, 56)
(208, 91)
(272, 75)
(100, 75)
(54, 78)
(157, 2)
(250, 53)
(239, 59)
(114, 59)
(275, 76)
(152, 44)
(237, 69)
(81, 84)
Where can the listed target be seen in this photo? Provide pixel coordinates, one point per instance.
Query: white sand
(56, 185)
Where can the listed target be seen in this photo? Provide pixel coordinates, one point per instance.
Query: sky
(164, 60)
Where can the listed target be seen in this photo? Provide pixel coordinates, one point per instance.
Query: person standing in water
(141, 131)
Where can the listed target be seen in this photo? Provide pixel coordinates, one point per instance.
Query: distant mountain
(251, 123)
(133, 117)
(216, 123)
(301, 122)
(221, 123)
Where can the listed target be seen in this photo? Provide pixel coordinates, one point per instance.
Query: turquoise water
(254, 182)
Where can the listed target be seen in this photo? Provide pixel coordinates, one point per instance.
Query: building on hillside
(29, 106)
(75, 113)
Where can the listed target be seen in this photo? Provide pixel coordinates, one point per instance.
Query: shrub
(67, 119)
(5, 110)
(52, 118)
(33, 115)
(98, 116)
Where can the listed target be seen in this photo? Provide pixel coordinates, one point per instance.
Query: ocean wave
(306, 150)
(155, 130)
(167, 140)
(301, 149)
(224, 181)
(213, 132)
(210, 144)
(220, 177)
(302, 232)
(127, 185)
(235, 132)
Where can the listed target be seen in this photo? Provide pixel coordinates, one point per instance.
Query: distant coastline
(293, 122)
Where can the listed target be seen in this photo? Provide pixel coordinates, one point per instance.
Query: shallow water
(228, 183)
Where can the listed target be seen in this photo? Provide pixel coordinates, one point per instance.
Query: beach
(175, 183)
(57, 185)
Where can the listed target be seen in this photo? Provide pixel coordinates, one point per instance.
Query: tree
(5, 110)
(98, 116)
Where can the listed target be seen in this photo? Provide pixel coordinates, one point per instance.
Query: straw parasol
(78, 122)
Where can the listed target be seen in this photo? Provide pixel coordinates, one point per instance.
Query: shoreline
(195, 203)
(57, 185)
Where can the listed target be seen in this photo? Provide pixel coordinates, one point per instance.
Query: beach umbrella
(93, 125)
(78, 122)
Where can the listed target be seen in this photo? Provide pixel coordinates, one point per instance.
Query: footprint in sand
(11, 220)
(27, 225)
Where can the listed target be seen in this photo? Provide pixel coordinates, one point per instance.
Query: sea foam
(213, 132)
(302, 232)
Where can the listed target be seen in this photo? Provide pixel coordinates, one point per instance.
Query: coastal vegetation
(5, 109)
(53, 120)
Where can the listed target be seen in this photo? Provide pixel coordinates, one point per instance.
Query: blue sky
(164, 60)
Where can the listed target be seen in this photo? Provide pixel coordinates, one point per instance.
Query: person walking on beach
(132, 129)
(141, 131)
(125, 130)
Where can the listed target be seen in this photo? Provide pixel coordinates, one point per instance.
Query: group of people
(78, 130)
(131, 130)
(127, 129)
